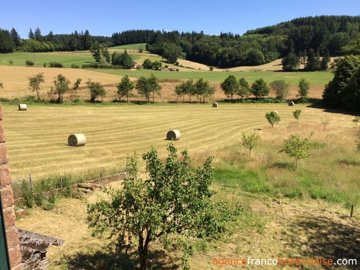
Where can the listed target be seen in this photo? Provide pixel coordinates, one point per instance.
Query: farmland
(280, 204)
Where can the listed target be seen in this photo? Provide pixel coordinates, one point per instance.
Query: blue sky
(108, 16)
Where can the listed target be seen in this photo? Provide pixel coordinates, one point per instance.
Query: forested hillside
(321, 36)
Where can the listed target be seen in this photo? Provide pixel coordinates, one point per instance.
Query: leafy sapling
(297, 148)
(296, 114)
(273, 118)
(250, 140)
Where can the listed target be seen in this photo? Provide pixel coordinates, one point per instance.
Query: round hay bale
(173, 135)
(77, 140)
(23, 107)
(215, 105)
(291, 103)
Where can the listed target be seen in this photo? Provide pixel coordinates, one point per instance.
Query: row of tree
(36, 42)
(259, 89)
(312, 61)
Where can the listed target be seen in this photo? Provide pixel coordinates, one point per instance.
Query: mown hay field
(37, 138)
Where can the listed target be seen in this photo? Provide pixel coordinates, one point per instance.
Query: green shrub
(29, 63)
(273, 118)
(296, 114)
(55, 64)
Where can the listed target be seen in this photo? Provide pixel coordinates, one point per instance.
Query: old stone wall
(8, 204)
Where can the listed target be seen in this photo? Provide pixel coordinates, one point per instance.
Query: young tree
(185, 88)
(142, 85)
(125, 87)
(297, 148)
(250, 141)
(155, 87)
(296, 114)
(148, 64)
(203, 89)
(76, 85)
(281, 88)
(34, 83)
(174, 200)
(148, 86)
(244, 88)
(105, 53)
(61, 86)
(259, 88)
(95, 51)
(273, 118)
(303, 88)
(96, 90)
(230, 86)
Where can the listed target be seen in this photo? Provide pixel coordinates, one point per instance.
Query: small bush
(250, 141)
(44, 64)
(11, 62)
(29, 63)
(296, 114)
(55, 64)
(273, 118)
(75, 66)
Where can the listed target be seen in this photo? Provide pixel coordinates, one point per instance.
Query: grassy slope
(66, 58)
(136, 46)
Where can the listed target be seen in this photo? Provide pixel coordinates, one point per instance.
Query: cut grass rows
(37, 140)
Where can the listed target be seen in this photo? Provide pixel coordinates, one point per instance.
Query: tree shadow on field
(111, 260)
(328, 238)
(282, 165)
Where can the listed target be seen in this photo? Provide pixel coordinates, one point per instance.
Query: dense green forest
(315, 36)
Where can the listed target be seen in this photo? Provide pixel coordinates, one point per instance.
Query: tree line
(260, 89)
(303, 37)
(37, 42)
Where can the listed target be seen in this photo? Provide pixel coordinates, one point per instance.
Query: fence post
(30, 183)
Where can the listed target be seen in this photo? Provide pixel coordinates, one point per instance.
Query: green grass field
(65, 58)
(136, 46)
(319, 78)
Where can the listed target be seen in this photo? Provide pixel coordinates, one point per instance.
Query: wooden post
(351, 210)
(30, 183)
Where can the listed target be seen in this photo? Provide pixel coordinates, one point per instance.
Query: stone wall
(8, 204)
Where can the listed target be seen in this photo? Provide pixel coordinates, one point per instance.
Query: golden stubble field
(37, 138)
(15, 81)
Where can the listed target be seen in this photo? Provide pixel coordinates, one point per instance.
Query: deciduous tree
(125, 87)
(34, 83)
(173, 200)
(297, 148)
(230, 86)
(259, 88)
